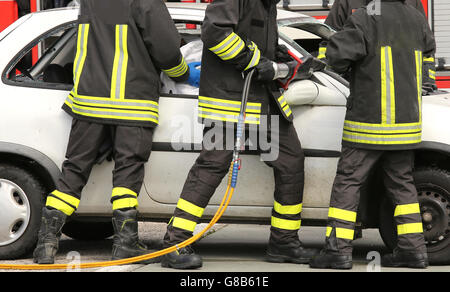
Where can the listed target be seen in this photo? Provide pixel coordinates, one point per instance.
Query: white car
(34, 134)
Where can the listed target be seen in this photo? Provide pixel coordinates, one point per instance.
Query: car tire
(433, 187)
(22, 198)
(83, 230)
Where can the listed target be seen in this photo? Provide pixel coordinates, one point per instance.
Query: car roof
(197, 10)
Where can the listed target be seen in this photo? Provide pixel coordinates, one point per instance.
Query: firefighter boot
(48, 236)
(405, 259)
(327, 260)
(182, 259)
(126, 242)
(292, 252)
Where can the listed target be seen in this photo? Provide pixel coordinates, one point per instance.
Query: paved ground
(230, 248)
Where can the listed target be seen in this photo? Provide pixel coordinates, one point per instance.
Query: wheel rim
(14, 212)
(435, 209)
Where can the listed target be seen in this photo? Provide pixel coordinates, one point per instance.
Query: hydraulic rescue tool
(280, 74)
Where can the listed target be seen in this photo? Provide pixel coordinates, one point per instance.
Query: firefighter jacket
(384, 53)
(122, 46)
(236, 34)
(341, 11)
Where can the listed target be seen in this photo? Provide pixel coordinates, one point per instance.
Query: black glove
(282, 54)
(264, 70)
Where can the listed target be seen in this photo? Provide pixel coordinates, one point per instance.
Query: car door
(318, 123)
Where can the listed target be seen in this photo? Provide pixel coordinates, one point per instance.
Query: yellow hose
(223, 206)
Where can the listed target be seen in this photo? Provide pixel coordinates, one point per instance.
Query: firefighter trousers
(213, 165)
(131, 147)
(353, 171)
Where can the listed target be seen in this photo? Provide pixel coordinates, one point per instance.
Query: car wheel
(433, 187)
(82, 230)
(21, 202)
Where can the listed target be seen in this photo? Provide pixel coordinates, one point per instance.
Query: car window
(46, 62)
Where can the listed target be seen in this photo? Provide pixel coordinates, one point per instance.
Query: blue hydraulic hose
(240, 130)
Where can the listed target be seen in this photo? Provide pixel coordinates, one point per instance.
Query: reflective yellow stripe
(256, 57)
(322, 53)
(432, 74)
(125, 101)
(190, 208)
(342, 214)
(67, 198)
(60, 205)
(382, 129)
(225, 44)
(410, 228)
(119, 73)
(430, 59)
(80, 58)
(233, 51)
(288, 209)
(148, 116)
(177, 71)
(342, 233)
(407, 209)
(387, 87)
(396, 139)
(419, 68)
(118, 192)
(125, 203)
(114, 103)
(223, 119)
(286, 224)
(184, 224)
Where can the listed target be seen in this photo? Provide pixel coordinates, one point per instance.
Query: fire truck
(438, 13)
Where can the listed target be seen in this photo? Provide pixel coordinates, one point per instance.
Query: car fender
(33, 155)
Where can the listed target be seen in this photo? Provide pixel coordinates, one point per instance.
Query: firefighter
(121, 48)
(341, 11)
(238, 36)
(383, 125)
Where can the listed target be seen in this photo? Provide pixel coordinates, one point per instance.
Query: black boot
(327, 260)
(183, 259)
(293, 252)
(48, 236)
(126, 240)
(405, 259)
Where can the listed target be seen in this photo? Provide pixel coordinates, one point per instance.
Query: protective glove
(194, 76)
(264, 70)
(282, 54)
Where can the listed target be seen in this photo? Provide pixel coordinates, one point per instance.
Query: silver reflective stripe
(226, 45)
(388, 86)
(81, 53)
(229, 106)
(255, 59)
(227, 117)
(382, 127)
(120, 64)
(234, 52)
(149, 115)
(387, 138)
(116, 103)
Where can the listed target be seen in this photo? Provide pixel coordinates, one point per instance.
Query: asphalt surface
(228, 248)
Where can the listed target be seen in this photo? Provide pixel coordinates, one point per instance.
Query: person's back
(385, 54)
(383, 126)
(342, 9)
(122, 47)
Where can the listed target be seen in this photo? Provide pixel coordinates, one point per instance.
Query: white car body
(32, 117)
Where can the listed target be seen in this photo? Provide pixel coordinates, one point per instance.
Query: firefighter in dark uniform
(341, 11)
(122, 46)
(238, 36)
(383, 124)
